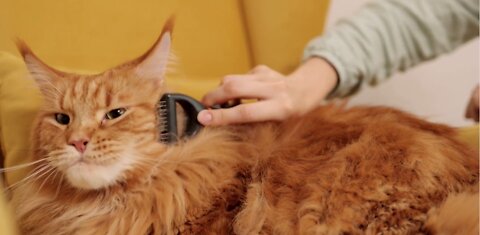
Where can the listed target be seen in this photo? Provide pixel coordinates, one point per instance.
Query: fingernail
(205, 117)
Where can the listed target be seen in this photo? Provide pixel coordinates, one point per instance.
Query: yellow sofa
(211, 38)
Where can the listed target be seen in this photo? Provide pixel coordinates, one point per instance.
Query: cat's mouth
(89, 159)
(81, 162)
(89, 172)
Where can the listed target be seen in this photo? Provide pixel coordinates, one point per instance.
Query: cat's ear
(45, 76)
(153, 64)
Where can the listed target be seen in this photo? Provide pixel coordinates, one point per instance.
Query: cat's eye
(62, 118)
(115, 113)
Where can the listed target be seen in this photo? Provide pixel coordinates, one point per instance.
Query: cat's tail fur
(458, 215)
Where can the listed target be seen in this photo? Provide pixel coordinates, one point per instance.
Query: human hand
(278, 96)
(473, 105)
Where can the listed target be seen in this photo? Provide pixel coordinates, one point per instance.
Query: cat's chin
(93, 176)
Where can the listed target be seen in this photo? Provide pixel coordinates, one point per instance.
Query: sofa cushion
(19, 102)
(278, 34)
(7, 225)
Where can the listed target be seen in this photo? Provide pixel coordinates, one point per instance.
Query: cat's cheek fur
(92, 176)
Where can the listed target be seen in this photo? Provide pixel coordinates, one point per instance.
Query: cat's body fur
(333, 171)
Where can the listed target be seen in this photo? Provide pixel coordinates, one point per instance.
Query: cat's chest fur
(190, 190)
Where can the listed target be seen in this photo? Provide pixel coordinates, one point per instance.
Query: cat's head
(93, 128)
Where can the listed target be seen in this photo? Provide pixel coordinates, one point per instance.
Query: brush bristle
(162, 121)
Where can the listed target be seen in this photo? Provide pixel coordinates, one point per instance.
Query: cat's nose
(80, 145)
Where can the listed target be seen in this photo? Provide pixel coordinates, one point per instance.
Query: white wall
(437, 90)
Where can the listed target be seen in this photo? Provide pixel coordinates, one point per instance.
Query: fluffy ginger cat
(101, 170)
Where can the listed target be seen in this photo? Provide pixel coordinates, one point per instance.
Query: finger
(472, 110)
(254, 77)
(472, 113)
(266, 72)
(238, 89)
(260, 69)
(476, 96)
(244, 113)
(469, 111)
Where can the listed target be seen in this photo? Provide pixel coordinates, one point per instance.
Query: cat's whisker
(21, 166)
(25, 180)
(59, 184)
(49, 170)
(58, 154)
(46, 179)
(31, 172)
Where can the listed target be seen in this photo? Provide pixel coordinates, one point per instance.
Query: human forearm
(317, 73)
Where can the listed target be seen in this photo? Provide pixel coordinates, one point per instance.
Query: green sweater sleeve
(387, 36)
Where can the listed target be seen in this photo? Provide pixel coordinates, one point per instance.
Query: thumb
(219, 117)
(210, 117)
(243, 113)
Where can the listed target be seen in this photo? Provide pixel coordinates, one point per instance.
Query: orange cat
(101, 170)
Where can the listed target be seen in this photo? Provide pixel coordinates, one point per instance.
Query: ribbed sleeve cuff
(345, 83)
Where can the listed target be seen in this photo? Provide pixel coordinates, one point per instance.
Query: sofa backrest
(212, 38)
(93, 35)
(278, 30)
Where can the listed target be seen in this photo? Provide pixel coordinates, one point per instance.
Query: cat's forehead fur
(112, 89)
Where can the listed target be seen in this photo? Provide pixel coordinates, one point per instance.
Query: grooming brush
(167, 116)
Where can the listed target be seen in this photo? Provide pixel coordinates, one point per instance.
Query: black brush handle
(168, 112)
(191, 108)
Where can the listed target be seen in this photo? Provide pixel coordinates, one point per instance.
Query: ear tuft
(23, 48)
(168, 26)
(153, 64)
(44, 75)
